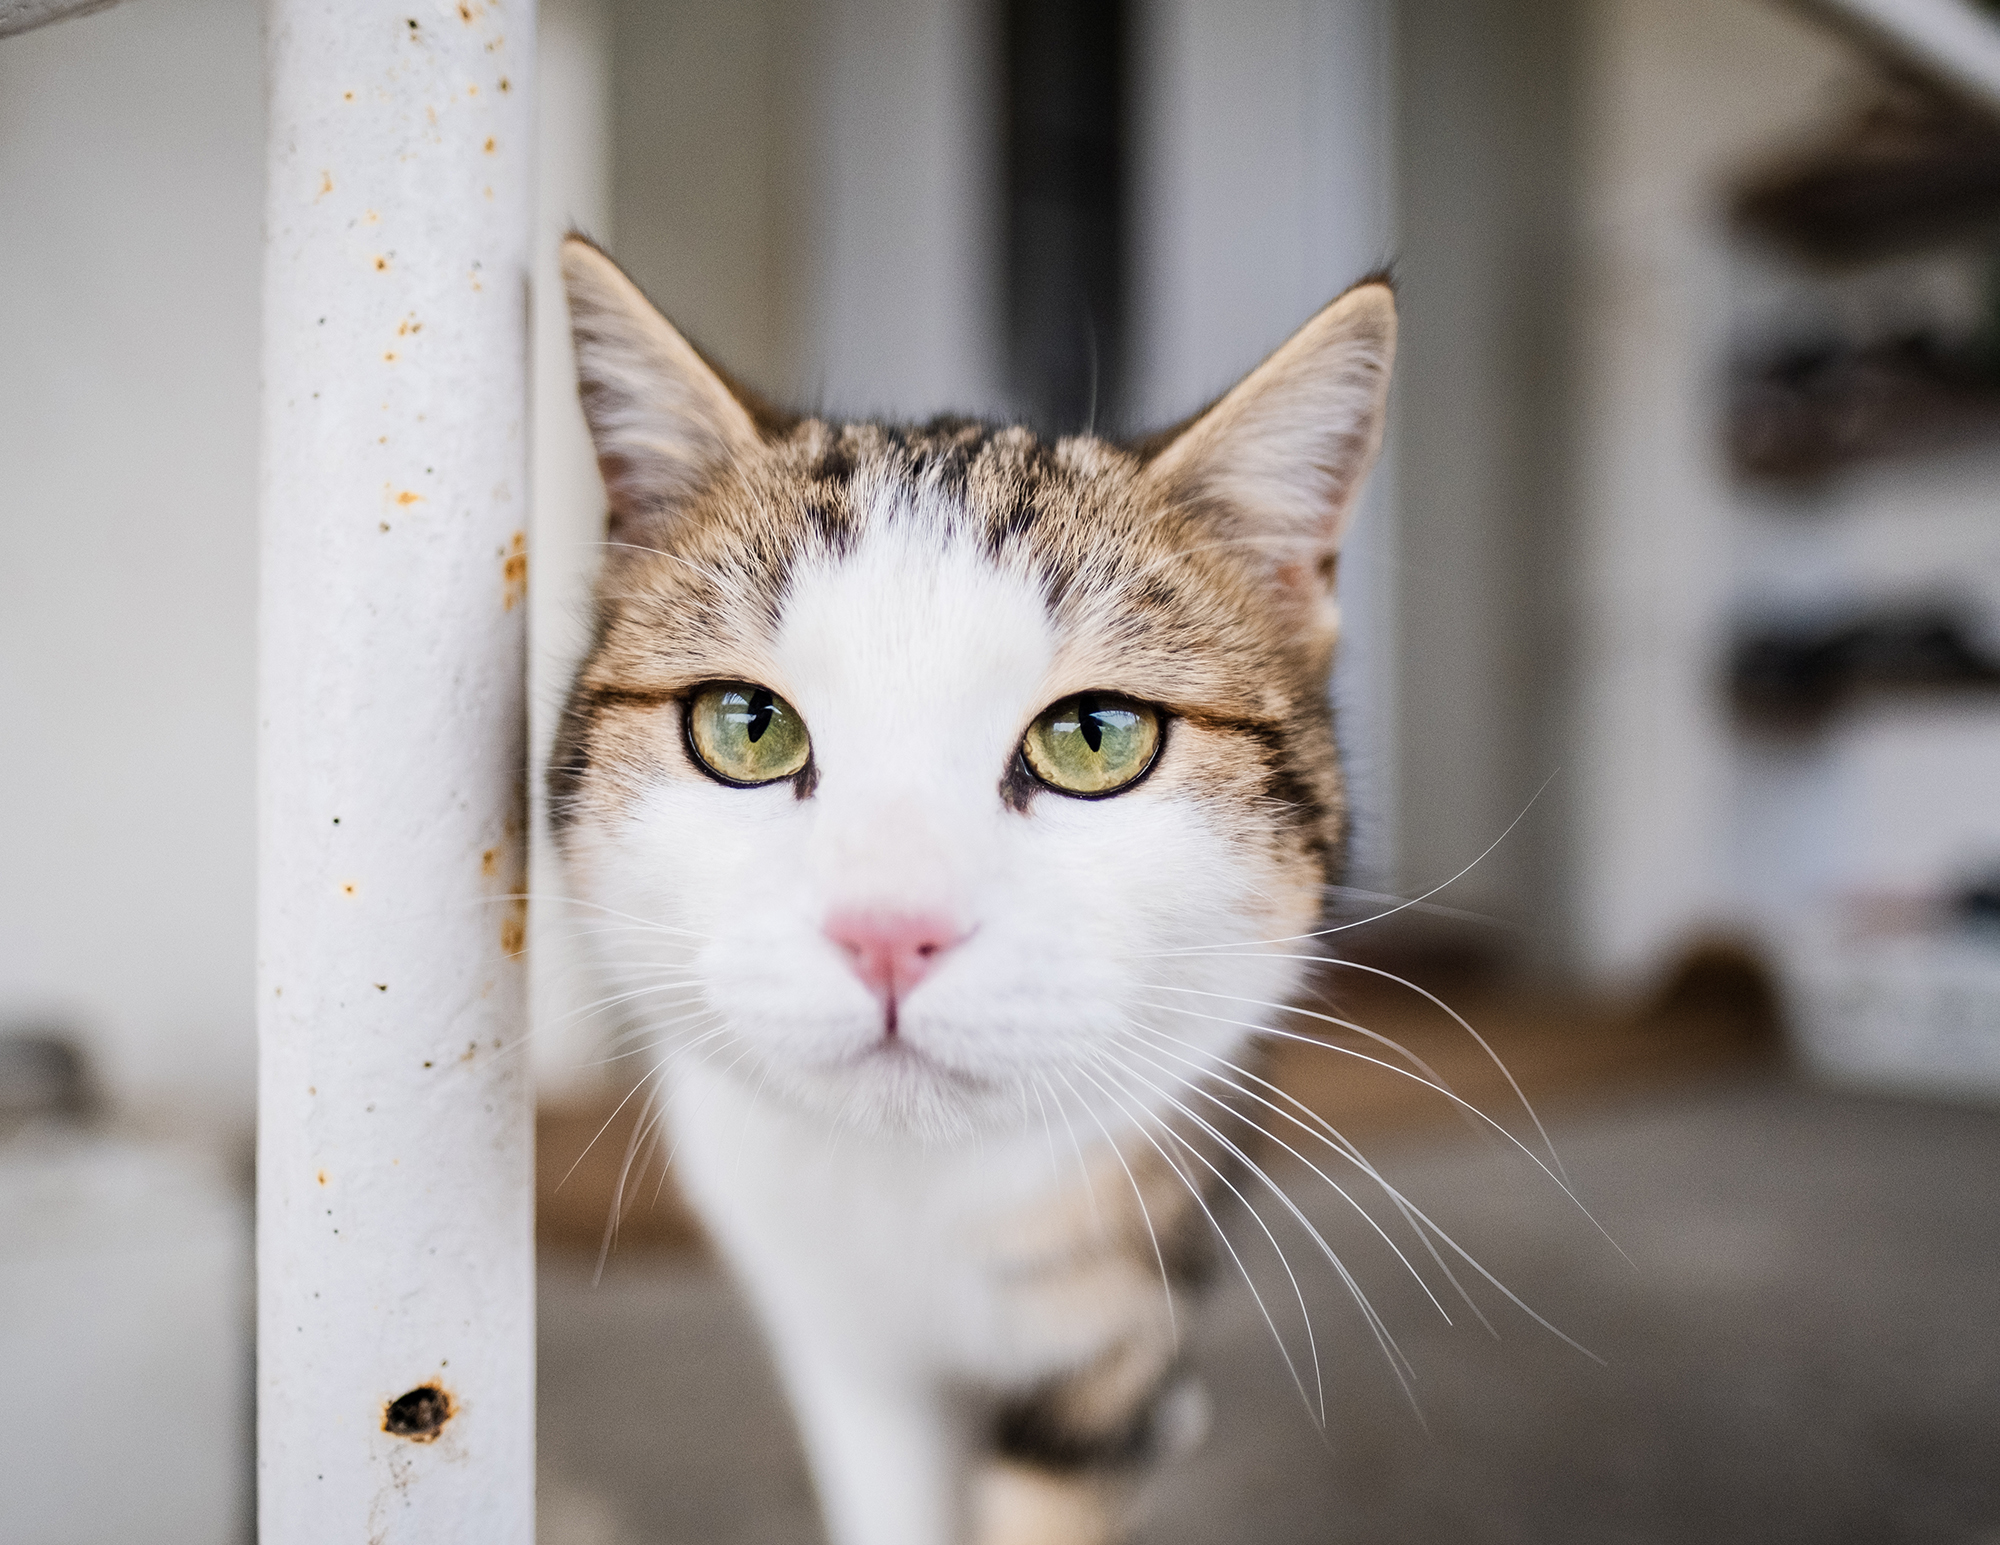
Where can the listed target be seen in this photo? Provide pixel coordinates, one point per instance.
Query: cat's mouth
(892, 1052)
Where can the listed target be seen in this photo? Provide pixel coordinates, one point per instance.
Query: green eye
(1092, 743)
(745, 734)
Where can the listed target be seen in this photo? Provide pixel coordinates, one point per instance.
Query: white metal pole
(395, 1246)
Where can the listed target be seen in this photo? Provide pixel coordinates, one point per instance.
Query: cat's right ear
(663, 419)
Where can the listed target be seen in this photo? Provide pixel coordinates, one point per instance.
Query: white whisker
(1159, 1256)
(1331, 1136)
(1265, 1132)
(1330, 1019)
(1403, 906)
(1221, 1233)
(1466, 1105)
(1377, 1326)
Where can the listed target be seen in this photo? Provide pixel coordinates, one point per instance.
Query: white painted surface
(395, 1243)
(124, 1345)
(1264, 188)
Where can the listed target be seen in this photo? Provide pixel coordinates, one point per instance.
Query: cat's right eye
(745, 734)
(1092, 744)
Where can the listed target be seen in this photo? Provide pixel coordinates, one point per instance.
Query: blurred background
(1673, 643)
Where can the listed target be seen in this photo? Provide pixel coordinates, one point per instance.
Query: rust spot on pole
(514, 927)
(419, 1415)
(514, 572)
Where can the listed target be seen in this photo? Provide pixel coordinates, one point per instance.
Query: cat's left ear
(1280, 458)
(665, 421)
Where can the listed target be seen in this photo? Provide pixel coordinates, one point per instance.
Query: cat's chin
(893, 1089)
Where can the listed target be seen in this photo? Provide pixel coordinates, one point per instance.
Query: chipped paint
(420, 1414)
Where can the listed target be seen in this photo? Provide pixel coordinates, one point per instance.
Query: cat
(920, 780)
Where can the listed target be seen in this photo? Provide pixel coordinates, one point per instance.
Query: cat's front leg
(1022, 1504)
(888, 1456)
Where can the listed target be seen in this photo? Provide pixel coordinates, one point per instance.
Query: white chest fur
(916, 1263)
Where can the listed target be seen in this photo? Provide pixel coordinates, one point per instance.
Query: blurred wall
(1486, 152)
(131, 199)
(806, 186)
(701, 136)
(1265, 182)
(573, 192)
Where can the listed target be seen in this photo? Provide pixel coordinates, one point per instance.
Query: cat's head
(925, 773)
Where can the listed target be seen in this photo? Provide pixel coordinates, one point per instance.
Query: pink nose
(891, 953)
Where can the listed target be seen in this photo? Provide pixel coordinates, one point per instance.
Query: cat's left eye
(746, 734)
(1092, 744)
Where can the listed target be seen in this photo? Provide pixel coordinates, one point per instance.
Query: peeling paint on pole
(395, 1231)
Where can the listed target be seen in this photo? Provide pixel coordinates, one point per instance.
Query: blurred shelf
(1915, 1013)
(1794, 678)
(1812, 411)
(1950, 44)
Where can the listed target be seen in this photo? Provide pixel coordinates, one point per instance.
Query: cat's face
(917, 776)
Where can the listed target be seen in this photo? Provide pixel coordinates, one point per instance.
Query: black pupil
(761, 714)
(1087, 721)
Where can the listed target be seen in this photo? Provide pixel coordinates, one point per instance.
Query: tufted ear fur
(1280, 458)
(664, 420)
